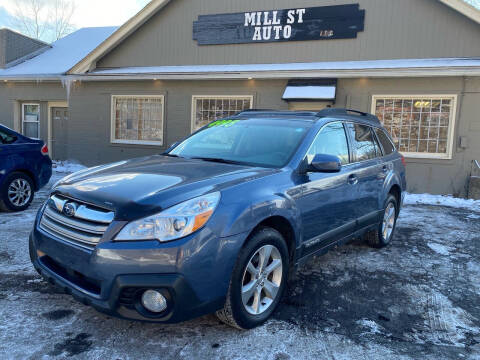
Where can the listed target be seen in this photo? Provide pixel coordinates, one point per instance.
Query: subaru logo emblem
(69, 209)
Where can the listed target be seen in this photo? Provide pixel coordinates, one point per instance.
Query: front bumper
(195, 272)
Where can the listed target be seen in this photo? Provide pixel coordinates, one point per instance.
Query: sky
(106, 12)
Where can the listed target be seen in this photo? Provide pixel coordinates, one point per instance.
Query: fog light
(154, 301)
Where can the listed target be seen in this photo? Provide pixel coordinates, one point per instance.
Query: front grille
(82, 224)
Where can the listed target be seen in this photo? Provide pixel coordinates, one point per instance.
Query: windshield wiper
(219, 160)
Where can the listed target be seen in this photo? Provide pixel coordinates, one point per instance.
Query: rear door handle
(385, 168)
(353, 179)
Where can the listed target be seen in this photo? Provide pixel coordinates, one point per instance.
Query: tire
(243, 316)
(21, 183)
(380, 238)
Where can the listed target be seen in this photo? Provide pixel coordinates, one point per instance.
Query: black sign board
(315, 23)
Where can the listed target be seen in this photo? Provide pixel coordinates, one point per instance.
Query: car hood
(144, 186)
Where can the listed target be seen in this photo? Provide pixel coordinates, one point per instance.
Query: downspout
(456, 140)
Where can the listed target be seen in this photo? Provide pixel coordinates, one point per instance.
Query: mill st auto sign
(314, 23)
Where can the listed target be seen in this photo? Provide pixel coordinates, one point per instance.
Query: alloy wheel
(388, 222)
(19, 192)
(262, 278)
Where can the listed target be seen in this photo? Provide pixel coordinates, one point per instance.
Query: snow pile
(67, 166)
(442, 200)
(371, 326)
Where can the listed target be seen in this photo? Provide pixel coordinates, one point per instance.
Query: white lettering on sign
(275, 21)
(262, 22)
(250, 19)
(291, 16)
(300, 13)
(257, 35)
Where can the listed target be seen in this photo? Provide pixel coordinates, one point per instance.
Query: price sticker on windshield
(223, 123)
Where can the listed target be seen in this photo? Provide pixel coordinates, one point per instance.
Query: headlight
(174, 223)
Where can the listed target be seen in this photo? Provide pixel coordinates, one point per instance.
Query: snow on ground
(444, 200)
(67, 167)
(416, 299)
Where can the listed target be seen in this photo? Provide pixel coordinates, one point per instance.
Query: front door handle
(353, 179)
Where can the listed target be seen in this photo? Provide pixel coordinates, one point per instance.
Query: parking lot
(417, 299)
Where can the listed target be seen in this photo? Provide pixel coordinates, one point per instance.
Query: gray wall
(12, 95)
(89, 129)
(90, 112)
(393, 29)
(89, 132)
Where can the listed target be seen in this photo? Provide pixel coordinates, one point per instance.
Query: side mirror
(325, 163)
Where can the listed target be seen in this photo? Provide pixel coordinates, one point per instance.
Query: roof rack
(255, 110)
(340, 111)
(276, 112)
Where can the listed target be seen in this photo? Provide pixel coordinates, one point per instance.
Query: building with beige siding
(105, 94)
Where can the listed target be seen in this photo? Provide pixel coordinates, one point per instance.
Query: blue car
(25, 168)
(217, 223)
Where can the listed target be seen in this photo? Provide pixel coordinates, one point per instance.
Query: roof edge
(464, 8)
(264, 75)
(118, 36)
(473, 71)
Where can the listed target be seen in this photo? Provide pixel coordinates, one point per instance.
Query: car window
(6, 138)
(331, 140)
(385, 141)
(363, 142)
(256, 142)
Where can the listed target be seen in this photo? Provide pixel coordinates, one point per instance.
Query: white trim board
(113, 140)
(38, 122)
(464, 8)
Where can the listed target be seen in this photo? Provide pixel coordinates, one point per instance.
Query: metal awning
(310, 90)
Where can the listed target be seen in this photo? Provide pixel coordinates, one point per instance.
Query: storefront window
(421, 126)
(209, 108)
(31, 120)
(137, 119)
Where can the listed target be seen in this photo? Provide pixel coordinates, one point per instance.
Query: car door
(6, 140)
(326, 200)
(369, 172)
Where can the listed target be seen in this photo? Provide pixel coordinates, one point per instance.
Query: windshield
(256, 142)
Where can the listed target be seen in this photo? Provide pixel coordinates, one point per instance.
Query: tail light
(403, 160)
(44, 150)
